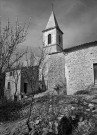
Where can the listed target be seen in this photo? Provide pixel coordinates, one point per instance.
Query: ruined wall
(79, 68)
(56, 70)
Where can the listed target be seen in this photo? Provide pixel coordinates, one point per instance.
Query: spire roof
(52, 21)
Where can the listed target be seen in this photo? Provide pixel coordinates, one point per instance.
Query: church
(74, 68)
(71, 69)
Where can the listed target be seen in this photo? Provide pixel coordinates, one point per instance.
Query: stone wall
(79, 68)
(56, 70)
(9, 93)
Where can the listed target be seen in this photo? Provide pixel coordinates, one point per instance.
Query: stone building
(75, 67)
(72, 68)
(16, 80)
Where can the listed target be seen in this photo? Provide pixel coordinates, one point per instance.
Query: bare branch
(10, 39)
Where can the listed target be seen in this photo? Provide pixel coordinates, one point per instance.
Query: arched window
(8, 85)
(49, 39)
(59, 39)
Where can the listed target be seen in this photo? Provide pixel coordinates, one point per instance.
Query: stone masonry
(56, 71)
(72, 66)
(79, 70)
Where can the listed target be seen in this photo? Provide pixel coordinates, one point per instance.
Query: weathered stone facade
(79, 70)
(55, 60)
(73, 66)
(16, 81)
(56, 71)
(10, 81)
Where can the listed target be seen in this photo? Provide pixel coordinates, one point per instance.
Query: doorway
(25, 88)
(95, 73)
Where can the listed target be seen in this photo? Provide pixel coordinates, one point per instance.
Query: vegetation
(12, 110)
(31, 73)
(10, 39)
(82, 92)
(49, 108)
(43, 114)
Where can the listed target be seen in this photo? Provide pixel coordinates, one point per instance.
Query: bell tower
(52, 36)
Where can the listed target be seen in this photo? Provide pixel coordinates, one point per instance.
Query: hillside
(48, 109)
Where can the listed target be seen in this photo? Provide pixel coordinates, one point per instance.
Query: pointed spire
(52, 20)
(52, 23)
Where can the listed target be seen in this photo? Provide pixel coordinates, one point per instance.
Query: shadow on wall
(42, 85)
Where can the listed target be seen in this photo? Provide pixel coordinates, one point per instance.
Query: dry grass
(41, 110)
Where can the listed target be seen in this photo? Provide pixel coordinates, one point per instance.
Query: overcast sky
(76, 18)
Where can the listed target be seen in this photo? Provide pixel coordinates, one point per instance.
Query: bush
(60, 88)
(82, 92)
(10, 110)
(90, 89)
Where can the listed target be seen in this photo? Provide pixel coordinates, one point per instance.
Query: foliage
(90, 89)
(82, 92)
(11, 110)
(60, 87)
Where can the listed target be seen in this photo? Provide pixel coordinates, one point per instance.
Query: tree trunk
(29, 115)
(15, 96)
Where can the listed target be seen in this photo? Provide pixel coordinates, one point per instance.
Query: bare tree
(10, 38)
(32, 74)
(16, 75)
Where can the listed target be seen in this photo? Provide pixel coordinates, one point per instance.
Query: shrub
(11, 110)
(89, 90)
(60, 88)
(82, 92)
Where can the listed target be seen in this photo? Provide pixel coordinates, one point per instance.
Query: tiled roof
(82, 46)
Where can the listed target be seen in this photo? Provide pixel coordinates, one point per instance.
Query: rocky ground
(52, 108)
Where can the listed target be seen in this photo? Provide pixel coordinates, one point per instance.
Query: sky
(76, 18)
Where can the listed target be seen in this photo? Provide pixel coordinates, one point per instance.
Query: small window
(25, 88)
(11, 73)
(8, 86)
(95, 73)
(49, 39)
(59, 39)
